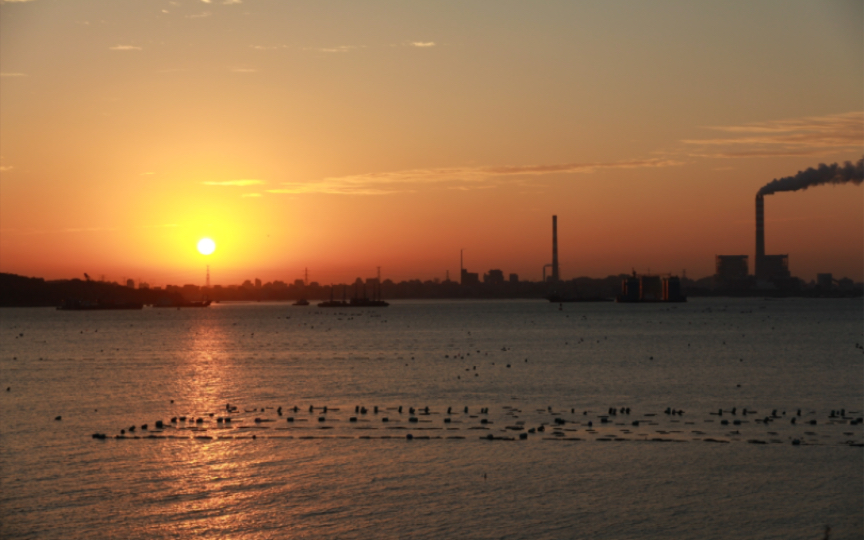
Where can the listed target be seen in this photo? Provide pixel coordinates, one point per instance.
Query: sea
(712, 419)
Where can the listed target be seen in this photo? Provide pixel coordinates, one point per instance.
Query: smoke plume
(824, 174)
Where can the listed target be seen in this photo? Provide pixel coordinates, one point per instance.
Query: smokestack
(760, 236)
(554, 248)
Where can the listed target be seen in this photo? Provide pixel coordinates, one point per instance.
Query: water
(107, 371)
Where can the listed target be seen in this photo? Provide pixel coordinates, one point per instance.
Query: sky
(344, 136)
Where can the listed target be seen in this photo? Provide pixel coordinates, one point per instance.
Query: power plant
(768, 267)
(772, 271)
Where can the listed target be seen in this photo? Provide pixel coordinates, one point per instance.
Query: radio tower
(208, 276)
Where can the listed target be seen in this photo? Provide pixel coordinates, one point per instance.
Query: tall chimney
(554, 277)
(760, 237)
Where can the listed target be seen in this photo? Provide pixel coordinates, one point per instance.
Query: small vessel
(334, 303)
(170, 303)
(301, 302)
(89, 305)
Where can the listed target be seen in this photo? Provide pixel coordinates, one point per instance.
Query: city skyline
(341, 137)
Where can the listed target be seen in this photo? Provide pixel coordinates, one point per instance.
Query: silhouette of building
(730, 268)
(494, 277)
(768, 267)
(470, 278)
(514, 278)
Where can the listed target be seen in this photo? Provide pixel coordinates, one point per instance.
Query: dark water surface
(646, 474)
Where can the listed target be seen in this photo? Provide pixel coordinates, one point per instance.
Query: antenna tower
(208, 276)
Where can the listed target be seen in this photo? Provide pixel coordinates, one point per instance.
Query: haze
(341, 136)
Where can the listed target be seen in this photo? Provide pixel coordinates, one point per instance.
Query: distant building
(257, 283)
(299, 283)
(775, 267)
(514, 278)
(494, 277)
(730, 268)
(470, 278)
(825, 281)
(143, 285)
(130, 283)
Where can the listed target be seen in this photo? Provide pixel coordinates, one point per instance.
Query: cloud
(339, 49)
(4, 168)
(232, 2)
(809, 136)
(422, 43)
(244, 182)
(125, 48)
(13, 74)
(251, 195)
(148, 173)
(462, 178)
(13, 1)
(201, 15)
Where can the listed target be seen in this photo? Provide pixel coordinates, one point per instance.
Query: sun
(206, 246)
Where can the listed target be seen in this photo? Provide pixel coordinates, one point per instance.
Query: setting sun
(206, 246)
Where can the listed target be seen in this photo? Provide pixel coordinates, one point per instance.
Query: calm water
(690, 475)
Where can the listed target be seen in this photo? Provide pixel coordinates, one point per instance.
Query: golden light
(206, 246)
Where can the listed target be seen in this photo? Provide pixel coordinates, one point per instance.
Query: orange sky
(341, 136)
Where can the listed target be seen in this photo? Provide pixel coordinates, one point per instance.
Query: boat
(366, 302)
(301, 302)
(169, 303)
(335, 303)
(89, 305)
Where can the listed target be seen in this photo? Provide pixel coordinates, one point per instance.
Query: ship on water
(89, 305)
(171, 303)
(649, 289)
(358, 301)
(334, 303)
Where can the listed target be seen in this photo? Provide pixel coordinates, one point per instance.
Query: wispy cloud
(339, 49)
(232, 2)
(5, 168)
(13, 1)
(13, 74)
(243, 182)
(251, 195)
(201, 15)
(148, 173)
(462, 178)
(125, 48)
(422, 43)
(808, 136)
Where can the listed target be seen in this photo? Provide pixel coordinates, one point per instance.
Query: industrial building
(731, 268)
(768, 267)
